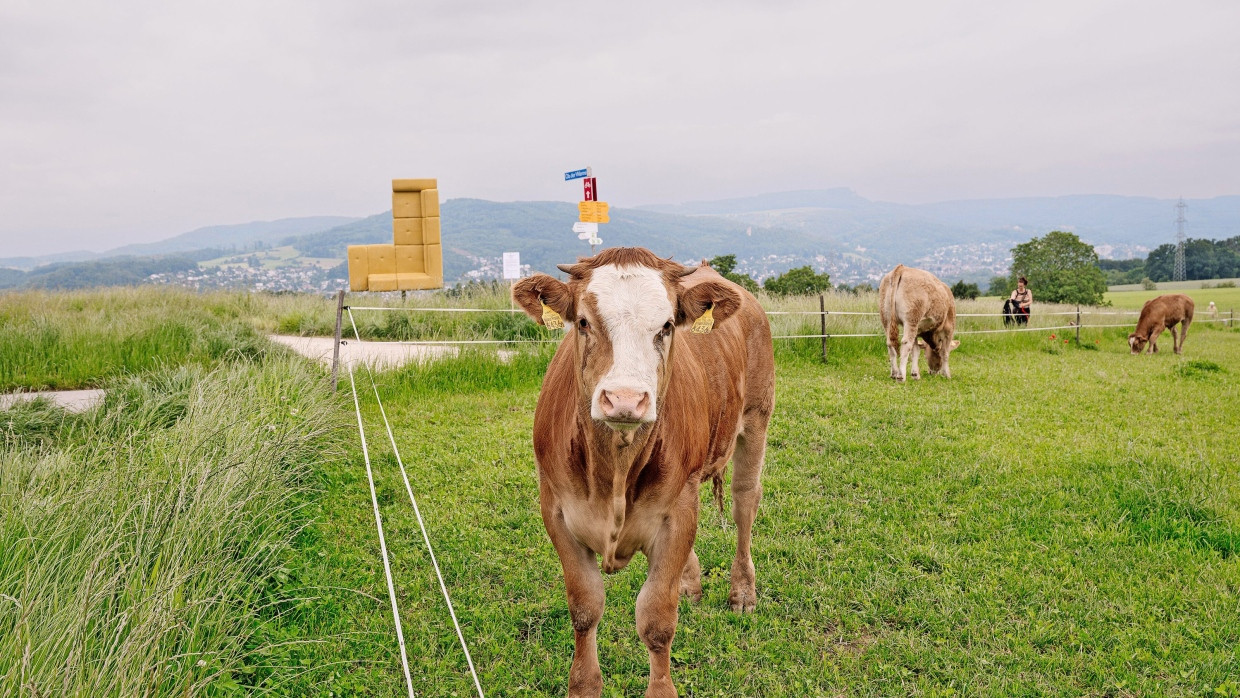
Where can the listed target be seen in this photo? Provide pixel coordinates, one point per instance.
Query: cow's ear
(539, 294)
(721, 298)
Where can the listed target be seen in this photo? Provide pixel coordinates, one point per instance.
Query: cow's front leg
(583, 584)
(657, 601)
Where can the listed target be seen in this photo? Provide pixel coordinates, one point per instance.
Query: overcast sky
(134, 120)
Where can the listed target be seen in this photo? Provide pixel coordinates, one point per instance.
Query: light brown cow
(925, 307)
(1163, 312)
(636, 412)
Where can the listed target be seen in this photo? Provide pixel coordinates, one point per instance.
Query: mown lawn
(1052, 520)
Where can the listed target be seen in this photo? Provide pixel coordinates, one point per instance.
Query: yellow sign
(593, 212)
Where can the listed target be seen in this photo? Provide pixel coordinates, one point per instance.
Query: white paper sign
(580, 227)
(512, 265)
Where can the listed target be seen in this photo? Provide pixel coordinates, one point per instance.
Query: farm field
(1226, 299)
(1175, 286)
(1052, 520)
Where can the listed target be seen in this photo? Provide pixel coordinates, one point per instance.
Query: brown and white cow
(1158, 314)
(636, 412)
(925, 307)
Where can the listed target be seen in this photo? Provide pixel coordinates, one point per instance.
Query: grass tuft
(139, 536)
(1198, 369)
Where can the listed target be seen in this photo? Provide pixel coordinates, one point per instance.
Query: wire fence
(858, 318)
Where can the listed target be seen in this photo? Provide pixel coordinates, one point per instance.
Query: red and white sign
(590, 185)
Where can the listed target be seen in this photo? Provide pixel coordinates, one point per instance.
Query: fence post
(822, 309)
(1078, 324)
(336, 345)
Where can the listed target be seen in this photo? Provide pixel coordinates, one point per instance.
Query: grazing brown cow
(636, 412)
(925, 307)
(1163, 312)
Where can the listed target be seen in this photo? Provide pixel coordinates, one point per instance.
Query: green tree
(797, 282)
(1060, 269)
(999, 286)
(725, 264)
(965, 291)
(1160, 263)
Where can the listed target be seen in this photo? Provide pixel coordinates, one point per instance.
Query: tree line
(1203, 259)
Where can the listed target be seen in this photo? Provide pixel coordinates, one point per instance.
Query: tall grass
(80, 339)
(142, 541)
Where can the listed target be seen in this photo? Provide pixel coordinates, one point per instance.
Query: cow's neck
(614, 457)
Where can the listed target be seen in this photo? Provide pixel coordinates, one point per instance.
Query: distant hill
(114, 271)
(1122, 226)
(475, 229)
(835, 230)
(224, 237)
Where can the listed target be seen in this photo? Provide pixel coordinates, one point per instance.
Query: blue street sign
(576, 174)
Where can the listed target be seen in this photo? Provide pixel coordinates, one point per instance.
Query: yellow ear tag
(551, 318)
(704, 324)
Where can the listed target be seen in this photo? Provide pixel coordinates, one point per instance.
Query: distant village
(289, 279)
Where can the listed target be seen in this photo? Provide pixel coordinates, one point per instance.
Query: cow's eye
(583, 324)
(667, 328)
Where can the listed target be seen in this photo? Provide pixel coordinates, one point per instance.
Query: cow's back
(737, 358)
(1166, 311)
(908, 295)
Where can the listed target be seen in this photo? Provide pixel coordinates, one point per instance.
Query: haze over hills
(1121, 226)
(223, 237)
(834, 230)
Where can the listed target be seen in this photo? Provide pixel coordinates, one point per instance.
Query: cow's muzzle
(624, 409)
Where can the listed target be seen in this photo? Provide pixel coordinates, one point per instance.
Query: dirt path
(379, 355)
(71, 400)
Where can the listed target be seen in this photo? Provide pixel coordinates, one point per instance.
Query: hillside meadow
(1054, 519)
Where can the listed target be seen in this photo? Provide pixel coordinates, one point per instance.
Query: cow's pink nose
(624, 405)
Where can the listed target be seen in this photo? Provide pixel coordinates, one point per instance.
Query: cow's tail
(716, 483)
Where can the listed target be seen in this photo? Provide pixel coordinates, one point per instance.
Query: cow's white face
(629, 320)
(624, 306)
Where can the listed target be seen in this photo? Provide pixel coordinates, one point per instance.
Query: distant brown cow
(1163, 312)
(644, 401)
(925, 307)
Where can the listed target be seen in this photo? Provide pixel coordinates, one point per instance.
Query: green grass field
(1226, 299)
(1176, 286)
(1053, 520)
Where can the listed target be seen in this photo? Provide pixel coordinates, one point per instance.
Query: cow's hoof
(916, 376)
(692, 591)
(898, 379)
(743, 601)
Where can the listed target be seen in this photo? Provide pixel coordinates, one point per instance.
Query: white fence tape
(387, 568)
(417, 511)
